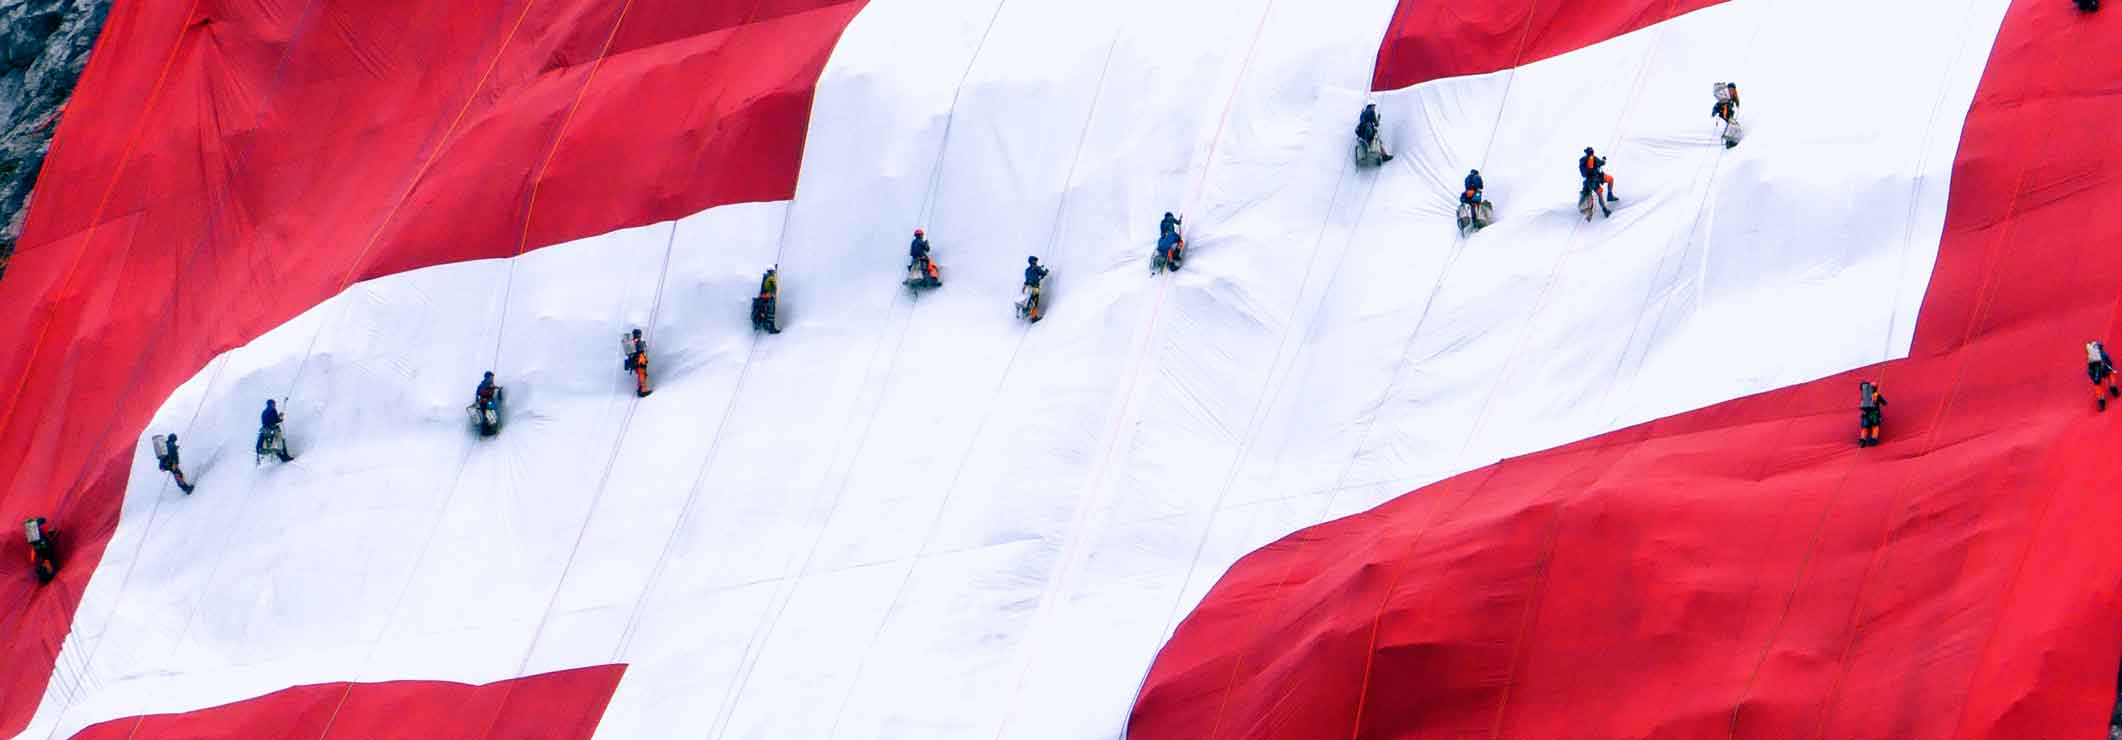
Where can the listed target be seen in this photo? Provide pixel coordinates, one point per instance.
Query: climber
(166, 459)
(1475, 212)
(921, 272)
(763, 307)
(43, 548)
(1034, 278)
(1871, 407)
(486, 405)
(1171, 247)
(271, 441)
(636, 362)
(1726, 109)
(1370, 149)
(1171, 251)
(2102, 369)
(1034, 272)
(1593, 168)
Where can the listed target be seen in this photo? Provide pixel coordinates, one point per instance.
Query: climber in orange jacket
(1871, 410)
(637, 361)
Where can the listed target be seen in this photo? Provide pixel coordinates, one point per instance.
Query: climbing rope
(530, 212)
(1053, 244)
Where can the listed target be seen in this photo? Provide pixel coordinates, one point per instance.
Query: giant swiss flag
(915, 517)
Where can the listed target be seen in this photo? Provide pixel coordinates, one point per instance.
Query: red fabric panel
(227, 164)
(560, 705)
(1745, 571)
(1434, 40)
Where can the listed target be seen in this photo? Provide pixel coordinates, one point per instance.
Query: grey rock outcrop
(43, 46)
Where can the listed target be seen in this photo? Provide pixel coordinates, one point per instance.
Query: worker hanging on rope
(487, 402)
(1370, 148)
(1596, 183)
(167, 460)
(635, 350)
(763, 308)
(1171, 247)
(921, 272)
(1475, 212)
(271, 441)
(1871, 413)
(1034, 279)
(1593, 168)
(2102, 369)
(43, 548)
(1726, 109)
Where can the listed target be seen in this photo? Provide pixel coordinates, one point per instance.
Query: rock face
(43, 46)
